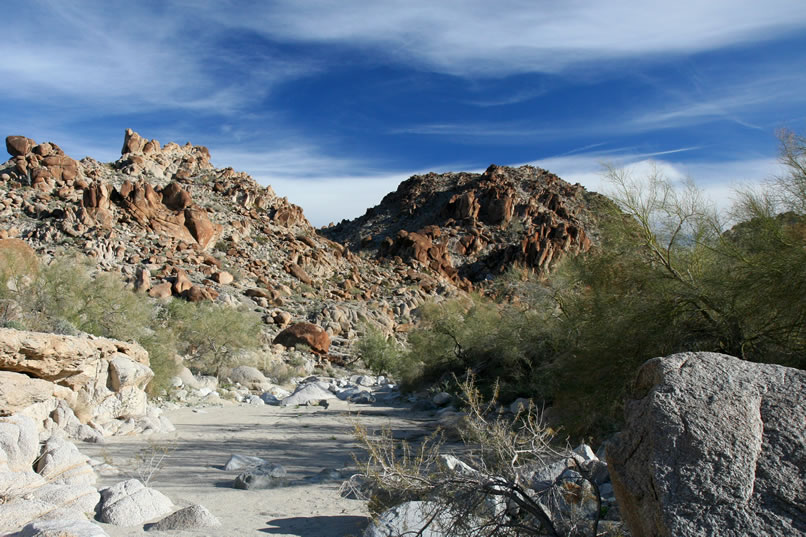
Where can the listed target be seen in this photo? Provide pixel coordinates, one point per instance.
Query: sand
(304, 440)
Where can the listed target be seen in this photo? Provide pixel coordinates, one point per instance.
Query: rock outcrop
(87, 386)
(712, 445)
(471, 227)
(61, 488)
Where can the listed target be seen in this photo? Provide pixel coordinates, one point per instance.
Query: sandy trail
(305, 440)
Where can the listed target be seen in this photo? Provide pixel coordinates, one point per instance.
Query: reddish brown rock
(132, 143)
(223, 277)
(161, 290)
(181, 282)
(19, 145)
(307, 334)
(201, 228)
(176, 198)
(62, 168)
(299, 273)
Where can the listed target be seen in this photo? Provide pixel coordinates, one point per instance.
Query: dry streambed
(304, 440)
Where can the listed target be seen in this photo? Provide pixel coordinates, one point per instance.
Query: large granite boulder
(130, 503)
(67, 381)
(712, 445)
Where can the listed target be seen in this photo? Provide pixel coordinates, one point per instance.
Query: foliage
(489, 494)
(211, 335)
(668, 274)
(381, 354)
(64, 297)
(502, 344)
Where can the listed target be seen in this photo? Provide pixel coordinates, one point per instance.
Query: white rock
(585, 453)
(61, 528)
(306, 394)
(130, 503)
(441, 398)
(61, 462)
(409, 519)
(19, 443)
(238, 462)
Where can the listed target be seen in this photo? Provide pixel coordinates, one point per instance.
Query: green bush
(381, 354)
(211, 335)
(63, 297)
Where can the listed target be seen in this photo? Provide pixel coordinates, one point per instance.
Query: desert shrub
(211, 335)
(486, 490)
(502, 344)
(379, 352)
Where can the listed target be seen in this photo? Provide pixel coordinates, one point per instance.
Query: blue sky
(333, 103)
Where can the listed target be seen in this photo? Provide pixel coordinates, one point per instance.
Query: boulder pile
(88, 387)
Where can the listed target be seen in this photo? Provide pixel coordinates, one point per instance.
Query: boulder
(191, 517)
(265, 476)
(307, 394)
(161, 290)
(239, 462)
(249, 377)
(130, 503)
(19, 145)
(19, 443)
(712, 445)
(424, 519)
(223, 277)
(307, 334)
(132, 143)
(62, 463)
(61, 528)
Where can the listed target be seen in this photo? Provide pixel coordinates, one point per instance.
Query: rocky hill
(173, 225)
(471, 227)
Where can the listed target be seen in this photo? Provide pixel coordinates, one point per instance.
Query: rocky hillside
(172, 224)
(471, 227)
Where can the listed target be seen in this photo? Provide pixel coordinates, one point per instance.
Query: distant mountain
(472, 227)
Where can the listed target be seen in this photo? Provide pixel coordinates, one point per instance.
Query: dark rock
(265, 476)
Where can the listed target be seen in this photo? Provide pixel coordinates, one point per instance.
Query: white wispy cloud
(718, 180)
(135, 60)
(515, 36)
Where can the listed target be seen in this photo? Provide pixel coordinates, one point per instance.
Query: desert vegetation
(65, 297)
(670, 274)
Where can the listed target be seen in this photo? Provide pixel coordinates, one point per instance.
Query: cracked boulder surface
(712, 445)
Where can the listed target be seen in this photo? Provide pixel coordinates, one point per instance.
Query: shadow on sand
(318, 526)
